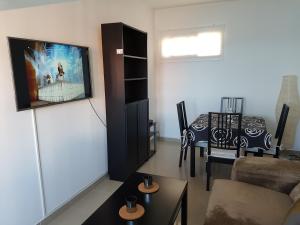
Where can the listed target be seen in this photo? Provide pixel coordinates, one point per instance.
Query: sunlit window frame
(190, 32)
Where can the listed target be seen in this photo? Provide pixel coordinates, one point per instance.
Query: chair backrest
(281, 123)
(183, 125)
(224, 131)
(232, 105)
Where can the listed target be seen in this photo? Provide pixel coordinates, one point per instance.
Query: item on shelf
(148, 181)
(154, 188)
(152, 137)
(131, 203)
(124, 214)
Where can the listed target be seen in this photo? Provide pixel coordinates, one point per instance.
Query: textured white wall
(72, 140)
(261, 44)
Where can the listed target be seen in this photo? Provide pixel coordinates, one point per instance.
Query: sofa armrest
(276, 174)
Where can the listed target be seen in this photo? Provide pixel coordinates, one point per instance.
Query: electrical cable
(102, 121)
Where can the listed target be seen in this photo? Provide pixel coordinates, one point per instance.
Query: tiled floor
(165, 163)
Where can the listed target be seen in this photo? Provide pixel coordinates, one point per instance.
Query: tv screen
(47, 73)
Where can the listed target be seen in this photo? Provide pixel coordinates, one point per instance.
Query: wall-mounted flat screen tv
(47, 73)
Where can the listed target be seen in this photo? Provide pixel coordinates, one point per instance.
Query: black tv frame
(18, 66)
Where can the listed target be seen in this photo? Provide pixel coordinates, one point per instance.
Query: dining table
(254, 134)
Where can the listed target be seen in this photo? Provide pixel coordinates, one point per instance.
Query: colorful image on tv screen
(54, 73)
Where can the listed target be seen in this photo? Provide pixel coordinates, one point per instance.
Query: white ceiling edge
(16, 4)
(155, 4)
(179, 3)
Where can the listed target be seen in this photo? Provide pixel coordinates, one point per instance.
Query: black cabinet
(126, 93)
(132, 136)
(136, 127)
(143, 118)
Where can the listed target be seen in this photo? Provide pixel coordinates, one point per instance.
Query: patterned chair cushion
(228, 154)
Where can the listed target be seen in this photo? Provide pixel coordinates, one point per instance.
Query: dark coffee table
(161, 208)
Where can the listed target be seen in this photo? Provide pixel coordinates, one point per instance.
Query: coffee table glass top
(160, 208)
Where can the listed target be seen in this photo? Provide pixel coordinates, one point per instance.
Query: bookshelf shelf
(126, 93)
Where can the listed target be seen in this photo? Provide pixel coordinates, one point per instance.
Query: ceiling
(13, 4)
(174, 3)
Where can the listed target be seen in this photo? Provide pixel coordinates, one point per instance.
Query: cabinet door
(143, 118)
(132, 137)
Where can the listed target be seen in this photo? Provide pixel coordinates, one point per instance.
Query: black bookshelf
(126, 92)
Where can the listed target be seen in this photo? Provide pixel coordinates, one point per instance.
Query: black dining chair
(275, 150)
(183, 126)
(224, 140)
(232, 105)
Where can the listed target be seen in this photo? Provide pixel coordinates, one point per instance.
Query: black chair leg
(185, 152)
(277, 153)
(208, 171)
(180, 157)
(181, 154)
(260, 153)
(246, 153)
(202, 149)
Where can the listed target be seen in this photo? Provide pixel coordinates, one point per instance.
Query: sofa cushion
(293, 216)
(295, 193)
(276, 174)
(238, 203)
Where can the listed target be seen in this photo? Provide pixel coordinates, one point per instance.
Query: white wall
(71, 138)
(261, 44)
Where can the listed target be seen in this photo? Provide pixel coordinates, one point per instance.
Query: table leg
(184, 208)
(192, 161)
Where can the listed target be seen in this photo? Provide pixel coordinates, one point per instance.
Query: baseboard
(169, 139)
(60, 209)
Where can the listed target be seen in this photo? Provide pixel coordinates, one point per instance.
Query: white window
(191, 44)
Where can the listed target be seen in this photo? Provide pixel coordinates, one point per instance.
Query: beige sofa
(262, 191)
